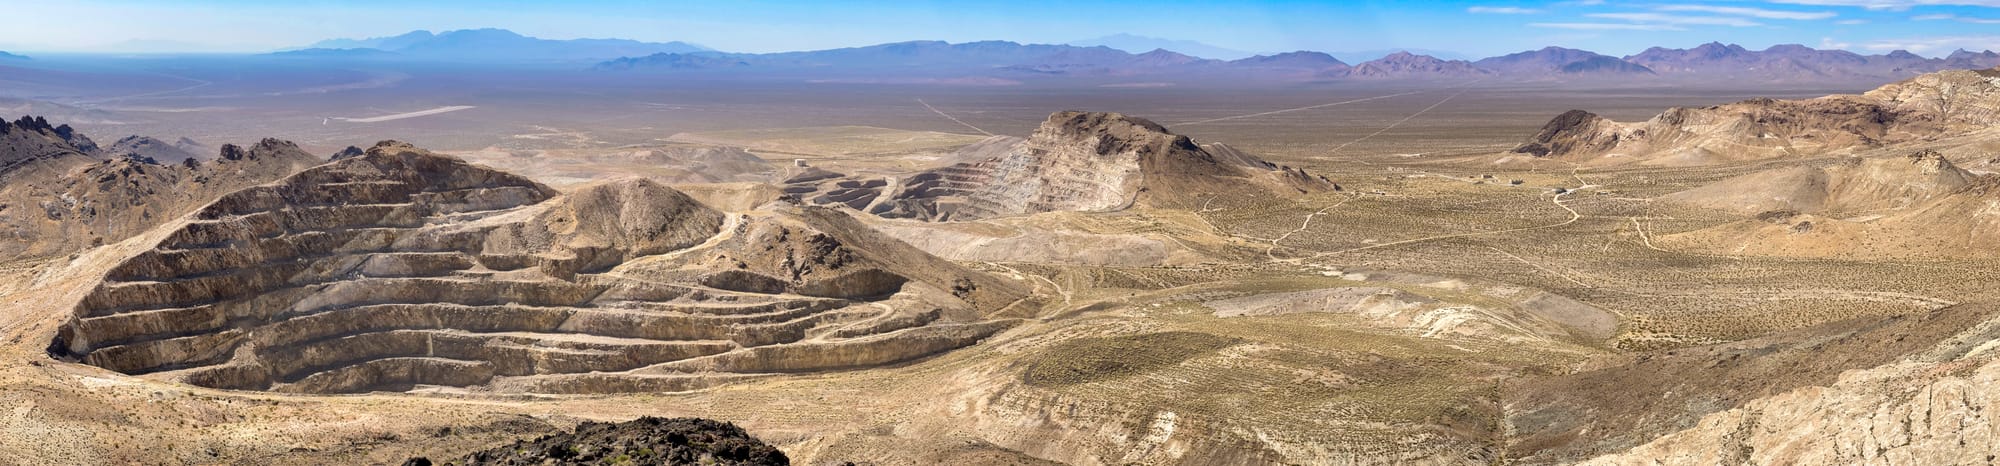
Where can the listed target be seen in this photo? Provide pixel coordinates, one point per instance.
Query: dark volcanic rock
(349, 152)
(31, 142)
(647, 440)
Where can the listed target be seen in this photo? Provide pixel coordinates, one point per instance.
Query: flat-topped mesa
(400, 268)
(1927, 106)
(1076, 161)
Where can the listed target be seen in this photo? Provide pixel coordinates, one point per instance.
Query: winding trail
(1540, 266)
(1067, 298)
(1645, 238)
(1295, 109)
(1558, 200)
(952, 118)
(1271, 251)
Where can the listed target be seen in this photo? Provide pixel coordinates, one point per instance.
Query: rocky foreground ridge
(646, 440)
(400, 269)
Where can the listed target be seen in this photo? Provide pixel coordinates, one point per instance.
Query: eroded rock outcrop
(1926, 106)
(56, 198)
(1716, 394)
(400, 268)
(1076, 161)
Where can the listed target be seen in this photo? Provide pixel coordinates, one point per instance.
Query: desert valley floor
(992, 274)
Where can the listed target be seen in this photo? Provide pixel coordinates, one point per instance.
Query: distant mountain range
(9, 56)
(1141, 44)
(486, 45)
(1365, 55)
(1009, 60)
(1125, 56)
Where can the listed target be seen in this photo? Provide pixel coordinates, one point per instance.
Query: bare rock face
(55, 199)
(1931, 406)
(1076, 161)
(1767, 400)
(400, 269)
(1572, 132)
(31, 144)
(1761, 129)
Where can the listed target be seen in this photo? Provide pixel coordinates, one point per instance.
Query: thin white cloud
(1851, 22)
(1662, 18)
(1897, 5)
(1750, 12)
(1608, 26)
(1951, 17)
(1502, 10)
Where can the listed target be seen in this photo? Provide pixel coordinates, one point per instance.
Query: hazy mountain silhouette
(1141, 44)
(497, 45)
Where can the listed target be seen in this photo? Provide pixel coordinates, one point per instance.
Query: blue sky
(1475, 28)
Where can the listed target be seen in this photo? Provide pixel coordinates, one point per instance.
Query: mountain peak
(1110, 132)
(1134, 43)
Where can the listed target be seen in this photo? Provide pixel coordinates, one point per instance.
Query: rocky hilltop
(1916, 220)
(400, 269)
(1847, 187)
(1076, 161)
(32, 145)
(57, 197)
(149, 148)
(1926, 106)
(1861, 180)
(646, 440)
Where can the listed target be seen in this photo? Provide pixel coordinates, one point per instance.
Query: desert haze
(477, 246)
